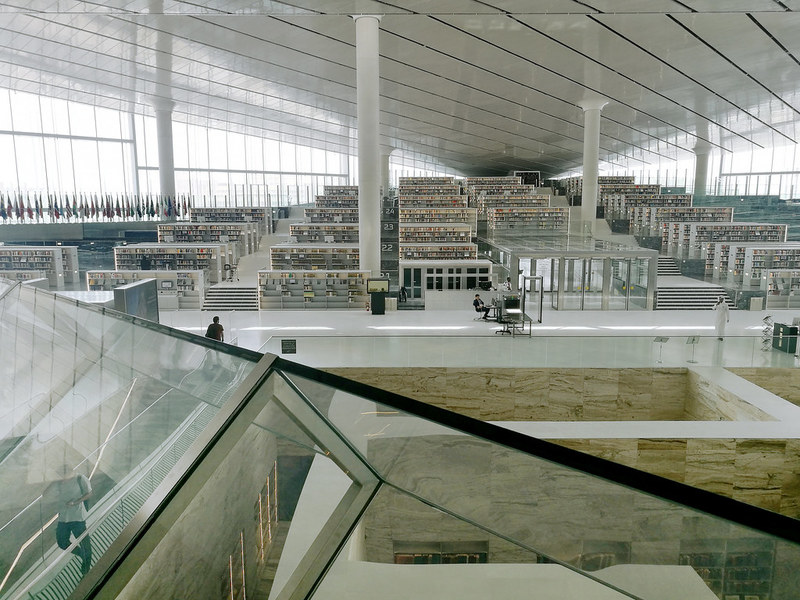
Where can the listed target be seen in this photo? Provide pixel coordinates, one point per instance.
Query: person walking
(722, 317)
(216, 331)
(70, 492)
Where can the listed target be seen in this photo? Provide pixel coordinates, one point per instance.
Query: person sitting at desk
(480, 306)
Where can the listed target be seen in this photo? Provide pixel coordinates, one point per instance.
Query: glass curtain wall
(53, 146)
(771, 171)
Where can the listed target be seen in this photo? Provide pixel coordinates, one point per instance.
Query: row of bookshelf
(23, 275)
(299, 289)
(185, 287)
(308, 257)
(210, 258)
(259, 215)
(552, 218)
(243, 236)
(59, 263)
(327, 215)
(749, 262)
(331, 202)
(651, 217)
(421, 251)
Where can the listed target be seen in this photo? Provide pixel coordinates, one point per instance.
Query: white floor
(453, 338)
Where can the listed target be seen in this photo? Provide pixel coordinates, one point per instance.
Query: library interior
(344, 299)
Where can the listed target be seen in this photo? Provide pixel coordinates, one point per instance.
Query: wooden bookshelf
(317, 289)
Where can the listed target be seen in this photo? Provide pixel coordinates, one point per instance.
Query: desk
(514, 322)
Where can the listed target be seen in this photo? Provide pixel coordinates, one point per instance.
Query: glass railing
(574, 351)
(316, 486)
(99, 394)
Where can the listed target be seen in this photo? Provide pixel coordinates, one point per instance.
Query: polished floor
(454, 338)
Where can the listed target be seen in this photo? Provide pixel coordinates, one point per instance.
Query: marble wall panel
(666, 458)
(767, 476)
(670, 389)
(790, 490)
(708, 401)
(655, 553)
(538, 394)
(191, 561)
(782, 382)
(710, 465)
(758, 472)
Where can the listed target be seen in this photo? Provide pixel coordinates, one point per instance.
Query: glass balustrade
(216, 476)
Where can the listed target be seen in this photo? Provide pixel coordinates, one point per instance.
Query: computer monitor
(377, 285)
(167, 285)
(511, 302)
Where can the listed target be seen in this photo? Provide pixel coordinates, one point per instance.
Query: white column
(701, 152)
(369, 156)
(166, 159)
(591, 155)
(385, 183)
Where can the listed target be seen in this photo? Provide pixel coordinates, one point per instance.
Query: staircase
(667, 266)
(231, 297)
(689, 297)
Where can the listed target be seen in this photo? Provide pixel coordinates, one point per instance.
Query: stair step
(231, 298)
(689, 297)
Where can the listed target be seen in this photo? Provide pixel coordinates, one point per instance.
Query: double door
(600, 283)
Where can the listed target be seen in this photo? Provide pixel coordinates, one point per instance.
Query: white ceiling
(482, 86)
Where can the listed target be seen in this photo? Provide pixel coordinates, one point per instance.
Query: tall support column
(701, 152)
(385, 183)
(369, 156)
(166, 158)
(591, 156)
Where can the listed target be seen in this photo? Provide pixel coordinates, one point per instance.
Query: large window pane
(272, 158)
(288, 162)
(217, 150)
(198, 147)
(5, 110)
(255, 154)
(55, 116)
(87, 173)
(180, 147)
(108, 123)
(81, 119)
(8, 174)
(31, 171)
(303, 154)
(111, 171)
(236, 152)
(25, 112)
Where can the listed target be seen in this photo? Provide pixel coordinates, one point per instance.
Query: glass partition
(97, 402)
(218, 477)
(620, 273)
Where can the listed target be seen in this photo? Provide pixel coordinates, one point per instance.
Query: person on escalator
(71, 492)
